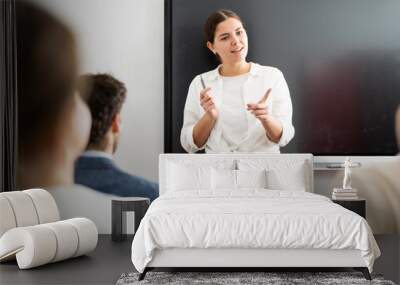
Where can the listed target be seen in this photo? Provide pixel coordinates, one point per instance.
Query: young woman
(239, 106)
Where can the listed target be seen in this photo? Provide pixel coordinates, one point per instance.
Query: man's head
(53, 122)
(104, 95)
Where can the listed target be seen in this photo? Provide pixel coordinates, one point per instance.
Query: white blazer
(260, 79)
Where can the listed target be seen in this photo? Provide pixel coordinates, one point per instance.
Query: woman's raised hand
(260, 109)
(207, 102)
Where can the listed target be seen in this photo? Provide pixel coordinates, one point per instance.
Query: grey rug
(273, 278)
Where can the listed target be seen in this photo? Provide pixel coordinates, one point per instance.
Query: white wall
(125, 38)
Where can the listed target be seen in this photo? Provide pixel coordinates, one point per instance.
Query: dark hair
(46, 75)
(104, 95)
(214, 19)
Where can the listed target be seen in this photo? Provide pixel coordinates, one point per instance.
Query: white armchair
(31, 230)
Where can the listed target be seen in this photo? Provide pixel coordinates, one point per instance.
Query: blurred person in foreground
(379, 184)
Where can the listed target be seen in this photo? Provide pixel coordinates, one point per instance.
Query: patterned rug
(242, 278)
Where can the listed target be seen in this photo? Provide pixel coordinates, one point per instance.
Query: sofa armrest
(40, 244)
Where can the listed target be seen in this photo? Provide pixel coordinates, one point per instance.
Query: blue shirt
(101, 174)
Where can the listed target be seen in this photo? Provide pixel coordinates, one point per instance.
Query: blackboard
(340, 58)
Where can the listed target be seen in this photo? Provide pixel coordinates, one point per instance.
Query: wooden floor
(110, 260)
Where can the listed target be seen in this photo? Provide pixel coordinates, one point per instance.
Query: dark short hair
(46, 75)
(104, 95)
(214, 19)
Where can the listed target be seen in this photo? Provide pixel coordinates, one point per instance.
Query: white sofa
(31, 231)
